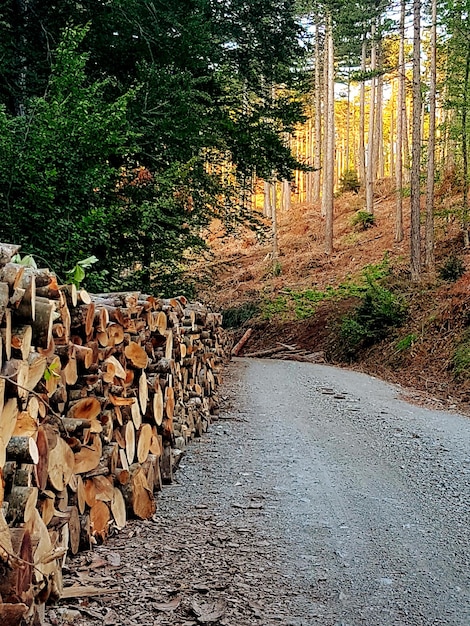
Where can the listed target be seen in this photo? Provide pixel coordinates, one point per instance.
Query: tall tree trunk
(318, 136)
(330, 153)
(326, 94)
(465, 216)
(362, 116)
(401, 106)
(275, 252)
(379, 141)
(268, 195)
(347, 165)
(429, 256)
(370, 166)
(415, 251)
(286, 196)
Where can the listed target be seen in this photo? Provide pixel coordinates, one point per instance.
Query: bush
(363, 220)
(235, 317)
(350, 181)
(379, 311)
(452, 269)
(461, 360)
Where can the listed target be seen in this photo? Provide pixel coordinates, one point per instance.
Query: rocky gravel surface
(319, 497)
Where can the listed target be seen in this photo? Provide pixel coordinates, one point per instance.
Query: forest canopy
(127, 125)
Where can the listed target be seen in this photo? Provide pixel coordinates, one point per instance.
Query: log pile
(99, 395)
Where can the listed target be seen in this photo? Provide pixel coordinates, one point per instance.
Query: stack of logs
(99, 395)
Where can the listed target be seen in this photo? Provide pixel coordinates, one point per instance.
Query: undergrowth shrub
(405, 343)
(235, 317)
(301, 305)
(350, 181)
(452, 268)
(379, 311)
(461, 360)
(363, 220)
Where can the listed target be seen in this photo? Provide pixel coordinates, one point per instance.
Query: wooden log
(99, 520)
(86, 408)
(144, 441)
(42, 325)
(129, 437)
(84, 355)
(37, 364)
(104, 488)
(143, 393)
(11, 274)
(118, 509)
(136, 355)
(113, 369)
(22, 450)
(74, 529)
(17, 581)
(89, 456)
(158, 405)
(26, 425)
(61, 464)
(70, 370)
(115, 334)
(240, 344)
(137, 495)
(21, 502)
(166, 466)
(4, 298)
(13, 614)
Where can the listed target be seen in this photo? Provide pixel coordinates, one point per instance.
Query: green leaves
(77, 274)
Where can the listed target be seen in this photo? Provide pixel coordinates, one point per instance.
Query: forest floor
(238, 277)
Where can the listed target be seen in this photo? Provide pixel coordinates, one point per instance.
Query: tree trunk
(415, 250)
(370, 168)
(465, 216)
(400, 121)
(326, 93)
(362, 117)
(318, 135)
(429, 258)
(330, 153)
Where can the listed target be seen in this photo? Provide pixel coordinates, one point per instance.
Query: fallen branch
(237, 347)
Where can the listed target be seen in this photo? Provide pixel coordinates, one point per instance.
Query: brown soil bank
(427, 352)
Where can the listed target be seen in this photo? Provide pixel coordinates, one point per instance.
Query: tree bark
(400, 121)
(415, 248)
(330, 153)
(429, 257)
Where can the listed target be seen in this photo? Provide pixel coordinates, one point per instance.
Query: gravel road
(318, 498)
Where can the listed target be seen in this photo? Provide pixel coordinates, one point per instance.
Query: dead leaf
(208, 612)
(167, 606)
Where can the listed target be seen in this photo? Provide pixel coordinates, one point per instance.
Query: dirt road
(318, 498)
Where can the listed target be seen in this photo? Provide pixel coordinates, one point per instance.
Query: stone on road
(319, 497)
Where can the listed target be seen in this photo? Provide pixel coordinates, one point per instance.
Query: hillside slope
(427, 354)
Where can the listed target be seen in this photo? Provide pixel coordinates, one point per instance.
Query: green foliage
(303, 304)
(363, 220)
(406, 342)
(277, 268)
(51, 372)
(150, 122)
(77, 274)
(27, 261)
(235, 317)
(350, 181)
(452, 269)
(461, 359)
(379, 310)
(274, 308)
